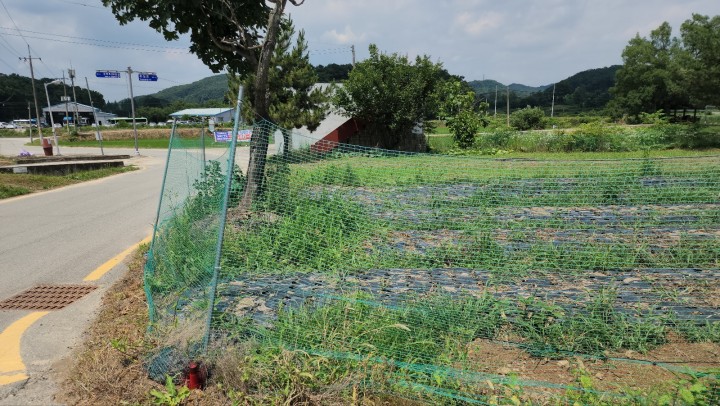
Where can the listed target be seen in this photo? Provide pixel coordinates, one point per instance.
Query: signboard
(147, 76)
(225, 136)
(244, 135)
(222, 136)
(107, 74)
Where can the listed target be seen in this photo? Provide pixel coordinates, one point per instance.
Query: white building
(63, 113)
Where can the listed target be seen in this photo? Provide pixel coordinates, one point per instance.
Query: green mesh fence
(432, 277)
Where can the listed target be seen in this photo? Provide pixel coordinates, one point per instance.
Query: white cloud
(347, 36)
(475, 25)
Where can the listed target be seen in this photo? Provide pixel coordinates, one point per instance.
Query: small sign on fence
(225, 136)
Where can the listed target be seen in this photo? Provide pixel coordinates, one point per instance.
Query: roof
(70, 106)
(213, 112)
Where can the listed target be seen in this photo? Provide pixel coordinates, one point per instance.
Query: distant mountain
(487, 87)
(585, 90)
(201, 91)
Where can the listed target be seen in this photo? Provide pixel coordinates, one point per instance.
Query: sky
(532, 42)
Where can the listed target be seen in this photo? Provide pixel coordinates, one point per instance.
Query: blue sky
(533, 42)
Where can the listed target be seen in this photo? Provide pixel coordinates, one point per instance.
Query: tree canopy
(237, 35)
(391, 95)
(663, 72)
(293, 99)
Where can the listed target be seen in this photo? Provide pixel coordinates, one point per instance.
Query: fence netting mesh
(437, 277)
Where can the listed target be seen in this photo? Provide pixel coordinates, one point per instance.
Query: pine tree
(294, 101)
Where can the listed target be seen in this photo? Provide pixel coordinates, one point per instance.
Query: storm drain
(46, 297)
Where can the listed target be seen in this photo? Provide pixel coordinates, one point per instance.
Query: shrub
(528, 118)
(464, 126)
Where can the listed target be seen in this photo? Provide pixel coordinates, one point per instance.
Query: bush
(498, 138)
(464, 126)
(529, 118)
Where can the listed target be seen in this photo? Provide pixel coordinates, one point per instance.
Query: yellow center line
(107, 266)
(12, 368)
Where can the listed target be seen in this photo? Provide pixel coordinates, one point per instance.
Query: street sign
(147, 76)
(107, 74)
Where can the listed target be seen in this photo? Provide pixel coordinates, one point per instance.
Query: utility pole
(132, 109)
(97, 126)
(496, 92)
(507, 97)
(30, 119)
(71, 72)
(552, 106)
(65, 98)
(352, 48)
(32, 77)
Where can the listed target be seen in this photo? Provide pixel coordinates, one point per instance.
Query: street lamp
(52, 121)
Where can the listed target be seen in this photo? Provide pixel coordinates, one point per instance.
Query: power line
(8, 65)
(161, 50)
(77, 3)
(96, 40)
(9, 47)
(13, 21)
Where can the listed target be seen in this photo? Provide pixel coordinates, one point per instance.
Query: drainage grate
(46, 297)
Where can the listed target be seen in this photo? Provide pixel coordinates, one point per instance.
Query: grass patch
(20, 184)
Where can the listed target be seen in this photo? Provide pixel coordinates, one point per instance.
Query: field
(456, 278)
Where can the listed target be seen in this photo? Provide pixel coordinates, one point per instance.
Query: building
(219, 115)
(63, 113)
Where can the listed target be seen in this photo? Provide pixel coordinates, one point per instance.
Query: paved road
(59, 237)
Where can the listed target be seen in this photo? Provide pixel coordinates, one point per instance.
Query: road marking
(107, 266)
(12, 368)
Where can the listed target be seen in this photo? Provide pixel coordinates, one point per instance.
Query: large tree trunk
(261, 135)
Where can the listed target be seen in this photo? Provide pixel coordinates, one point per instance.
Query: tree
(650, 78)
(701, 41)
(528, 118)
(294, 101)
(237, 35)
(461, 113)
(391, 96)
(333, 72)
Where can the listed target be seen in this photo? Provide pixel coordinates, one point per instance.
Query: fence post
(223, 217)
(148, 294)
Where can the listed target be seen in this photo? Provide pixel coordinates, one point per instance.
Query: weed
(172, 395)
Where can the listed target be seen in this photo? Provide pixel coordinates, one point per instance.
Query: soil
(607, 375)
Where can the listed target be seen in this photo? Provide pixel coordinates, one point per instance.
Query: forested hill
(201, 91)
(585, 90)
(588, 89)
(16, 94)
(486, 88)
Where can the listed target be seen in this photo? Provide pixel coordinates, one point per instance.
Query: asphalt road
(59, 237)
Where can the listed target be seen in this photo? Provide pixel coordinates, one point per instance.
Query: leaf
(687, 396)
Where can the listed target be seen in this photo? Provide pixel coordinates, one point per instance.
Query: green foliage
(699, 36)
(664, 72)
(231, 21)
(464, 127)
(391, 95)
(458, 109)
(172, 395)
(333, 72)
(294, 102)
(16, 94)
(7, 191)
(529, 118)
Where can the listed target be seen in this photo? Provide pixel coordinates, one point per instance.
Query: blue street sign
(107, 74)
(147, 76)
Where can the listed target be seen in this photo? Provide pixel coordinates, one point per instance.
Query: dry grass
(143, 133)
(107, 369)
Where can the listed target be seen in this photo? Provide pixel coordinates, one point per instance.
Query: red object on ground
(194, 377)
(47, 147)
